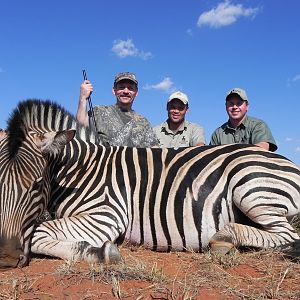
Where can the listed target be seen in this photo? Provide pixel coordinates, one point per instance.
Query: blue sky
(203, 48)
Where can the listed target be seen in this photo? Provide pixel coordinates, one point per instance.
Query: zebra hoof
(23, 261)
(110, 253)
(220, 247)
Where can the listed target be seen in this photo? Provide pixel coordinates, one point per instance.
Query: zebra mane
(41, 116)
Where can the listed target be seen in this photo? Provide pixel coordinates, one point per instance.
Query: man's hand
(86, 89)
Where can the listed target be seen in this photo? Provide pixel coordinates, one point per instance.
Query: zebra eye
(36, 134)
(40, 136)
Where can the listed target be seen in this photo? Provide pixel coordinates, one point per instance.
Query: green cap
(238, 91)
(125, 76)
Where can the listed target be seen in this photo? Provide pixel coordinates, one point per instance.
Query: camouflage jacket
(123, 128)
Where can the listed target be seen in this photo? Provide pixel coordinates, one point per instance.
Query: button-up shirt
(250, 131)
(189, 134)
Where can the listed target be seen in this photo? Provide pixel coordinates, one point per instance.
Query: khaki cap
(125, 76)
(238, 91)
(180, 96)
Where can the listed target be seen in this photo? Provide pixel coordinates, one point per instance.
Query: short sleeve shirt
(189, 134)
(250, 131)
(123, 128)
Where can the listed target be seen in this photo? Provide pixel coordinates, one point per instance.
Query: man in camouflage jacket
(118, 124)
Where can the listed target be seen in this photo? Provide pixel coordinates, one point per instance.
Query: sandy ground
(146, 274)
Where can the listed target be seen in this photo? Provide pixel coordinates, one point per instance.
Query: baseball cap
(125, 76)
(238, 91)
(180, 96)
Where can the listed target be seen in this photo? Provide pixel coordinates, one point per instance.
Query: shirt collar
(242, 125)
(165, 127)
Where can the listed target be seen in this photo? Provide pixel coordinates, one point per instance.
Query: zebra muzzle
(10, 253)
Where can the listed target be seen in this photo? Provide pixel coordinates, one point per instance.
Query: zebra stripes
(164, 199)
(169, 199)
(24, 173)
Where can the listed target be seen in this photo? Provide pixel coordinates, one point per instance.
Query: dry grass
(12, 288)
(252, 275)
(148, 275)
(267, 275)
(131, 269)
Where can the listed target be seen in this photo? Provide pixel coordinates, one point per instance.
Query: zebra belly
(192, 232)
(190, 241)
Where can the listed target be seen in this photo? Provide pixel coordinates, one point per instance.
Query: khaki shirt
(123, 128)
(250, 131)
(189, 134)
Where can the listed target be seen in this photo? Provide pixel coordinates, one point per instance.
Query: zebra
(25, 182)
(195, 198)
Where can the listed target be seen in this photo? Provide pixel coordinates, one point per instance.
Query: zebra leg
(266, 206)
(276, 234)
(77, 251)
(65, 239)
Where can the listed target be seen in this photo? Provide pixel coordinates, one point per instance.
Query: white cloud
(189, 32)
(225, 14)
(165, 85)
(291, 81)
(288, 139)
(296, 78)
(124, 48)
(297, 149)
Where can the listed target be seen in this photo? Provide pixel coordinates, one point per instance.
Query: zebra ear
(53, 142)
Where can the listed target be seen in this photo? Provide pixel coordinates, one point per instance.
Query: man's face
(236, 107)
(176, 111)
(125, 91)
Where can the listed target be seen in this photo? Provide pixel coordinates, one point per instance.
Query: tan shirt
(189, 134)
